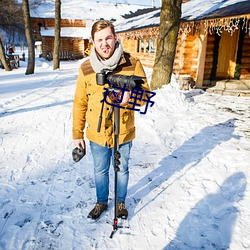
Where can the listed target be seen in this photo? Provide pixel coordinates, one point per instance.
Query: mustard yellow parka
(87, 105)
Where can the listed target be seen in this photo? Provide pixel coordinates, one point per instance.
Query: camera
(78, 153)
(118, 80)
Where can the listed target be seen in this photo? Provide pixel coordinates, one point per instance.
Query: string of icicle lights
(218, 25)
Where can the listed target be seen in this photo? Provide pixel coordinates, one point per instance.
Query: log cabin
(74, 37)
(77, 17)
(213, 41)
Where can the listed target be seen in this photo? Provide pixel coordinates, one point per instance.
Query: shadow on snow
(23, 110)
(210, 223)
(189, 155)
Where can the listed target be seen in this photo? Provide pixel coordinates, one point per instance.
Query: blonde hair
(101, 24)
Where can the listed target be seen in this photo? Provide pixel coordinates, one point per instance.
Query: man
(107, 54)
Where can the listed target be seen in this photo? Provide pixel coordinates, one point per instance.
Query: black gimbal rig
(116, 81)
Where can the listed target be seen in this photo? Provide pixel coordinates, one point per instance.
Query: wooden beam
(201, 60)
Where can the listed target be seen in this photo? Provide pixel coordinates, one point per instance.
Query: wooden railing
(64, 55)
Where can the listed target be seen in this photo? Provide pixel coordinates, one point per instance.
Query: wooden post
(201, 60)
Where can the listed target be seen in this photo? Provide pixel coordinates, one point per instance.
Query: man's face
(104, 42)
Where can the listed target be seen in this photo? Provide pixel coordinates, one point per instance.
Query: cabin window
(140, 45)
(146, 45)
(152, 45)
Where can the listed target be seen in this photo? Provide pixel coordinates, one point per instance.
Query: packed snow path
(189, 171)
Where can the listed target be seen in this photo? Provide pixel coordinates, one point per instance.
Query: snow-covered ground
(189, 170)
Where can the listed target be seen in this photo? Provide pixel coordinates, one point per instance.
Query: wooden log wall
(131, 46)
(185, 59)
(73, 45)
(47, 45)
(79, 46)
(190, 56)
(50, 22)
(186, 55)
(178, 61)
(66, 44)
(245, 60)
(146, 59)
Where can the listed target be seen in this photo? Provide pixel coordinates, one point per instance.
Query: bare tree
(56, 59)
(11, 17)
(11, 24)
(36, 3)
(3, 57)
(28, 33)
(168, 34)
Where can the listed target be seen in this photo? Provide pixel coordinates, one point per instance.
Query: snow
(84, 33)
(145, 20)
(189, 169)
(86, 10)
(156, 3)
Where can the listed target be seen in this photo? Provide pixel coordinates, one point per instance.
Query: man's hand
(126, 97)
(79, 143)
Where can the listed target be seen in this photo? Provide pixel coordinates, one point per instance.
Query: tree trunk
(3, 57)
(29, 38)
(56, 59)
(168, 34)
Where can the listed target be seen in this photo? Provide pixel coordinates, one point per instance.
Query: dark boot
(97, 210)
(122, 211)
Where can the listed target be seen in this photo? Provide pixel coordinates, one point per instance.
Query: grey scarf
(110, 64)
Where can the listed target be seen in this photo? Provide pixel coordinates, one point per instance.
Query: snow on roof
(197, 9)
(79, 32)
(192, 10)
(145, 20)
(85, 10)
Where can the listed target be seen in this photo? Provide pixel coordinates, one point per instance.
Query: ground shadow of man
(188, 155)
(210, 223)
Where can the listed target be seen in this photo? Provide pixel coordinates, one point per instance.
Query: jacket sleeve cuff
(77, 135)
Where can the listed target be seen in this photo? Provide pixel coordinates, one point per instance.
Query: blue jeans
(102, 157)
